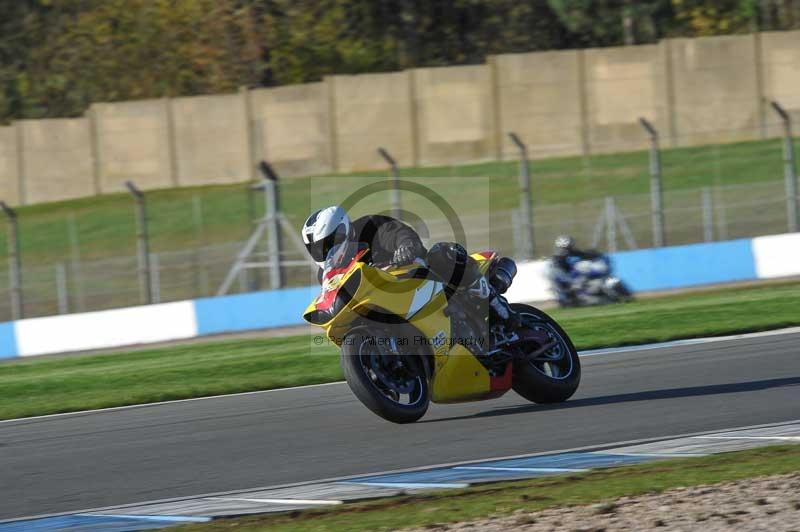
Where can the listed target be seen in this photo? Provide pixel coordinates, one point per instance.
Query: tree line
(58, 56)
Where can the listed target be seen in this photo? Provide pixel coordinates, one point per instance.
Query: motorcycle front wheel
(391, 384)
(553, 375)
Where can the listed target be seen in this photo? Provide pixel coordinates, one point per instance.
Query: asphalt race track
(90, 460)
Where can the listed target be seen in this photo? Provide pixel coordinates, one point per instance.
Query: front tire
(553, 376)
(399, 395)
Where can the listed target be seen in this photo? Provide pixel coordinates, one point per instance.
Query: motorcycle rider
(565, 255)
(329, 235)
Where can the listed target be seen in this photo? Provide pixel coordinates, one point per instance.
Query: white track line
(171, 402)
(524, 469)
(656, 455)
(407, 485)
(688, 341)
(777, 438)
(592, 352)
(166, 518)
(315, 502)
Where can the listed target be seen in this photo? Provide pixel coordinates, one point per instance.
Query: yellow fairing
(457, 374)
(483, 261)
(459, 377)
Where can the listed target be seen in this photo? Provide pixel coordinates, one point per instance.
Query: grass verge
(529, 495)
(69, 383)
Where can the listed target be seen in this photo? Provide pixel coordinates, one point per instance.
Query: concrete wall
(9, 176)
(696, 91)
(57, 159)
(781, 74)
(212, 143)
(133, 143)
(715, 83)
(291, 128)
(540, 98)
(371, 111)
(623, 84)
(454, 114)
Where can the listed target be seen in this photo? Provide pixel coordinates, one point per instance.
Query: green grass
(500, 499)
(684, 316)
(97, 381)
(69, 383)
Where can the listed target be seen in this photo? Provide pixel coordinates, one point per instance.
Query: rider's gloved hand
(404, 254)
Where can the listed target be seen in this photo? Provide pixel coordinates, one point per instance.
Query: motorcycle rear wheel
(553, 376)
(622, 293)
(397, 394)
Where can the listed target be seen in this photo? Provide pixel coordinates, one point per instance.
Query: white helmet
(326, 234)
(564, 245)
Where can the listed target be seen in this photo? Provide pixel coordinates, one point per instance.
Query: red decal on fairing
(488, 255)
(336, 271)
(503, 382)
(327, 297)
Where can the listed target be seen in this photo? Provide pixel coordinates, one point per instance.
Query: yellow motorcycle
(406, 341)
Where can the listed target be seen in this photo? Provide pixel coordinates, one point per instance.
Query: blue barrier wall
(642, 270)
(8, 340)
(681, 266)
(258, 310)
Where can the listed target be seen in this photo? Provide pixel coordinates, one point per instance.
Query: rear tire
(373, 392)
(531, 380)
(624, 293)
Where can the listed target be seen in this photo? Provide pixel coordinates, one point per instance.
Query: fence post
(155, 277)
(656, 196)
(253, 221)
(708, 215)
(14, 263)
(61, 288)
(200, 273)
(789, 169)
(720, 213)
(611, 224)
(143, 243)
(244, 284)
(272, 215)
(94, 139)
(75, 262)
(396, 207)
(333, 128)
(515, 232)
(22, 171)
(249, 133)
(525, 199)
(172, 142)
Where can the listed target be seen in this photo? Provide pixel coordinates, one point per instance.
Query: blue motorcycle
(589, 282)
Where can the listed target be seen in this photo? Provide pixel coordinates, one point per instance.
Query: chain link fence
(84, 257)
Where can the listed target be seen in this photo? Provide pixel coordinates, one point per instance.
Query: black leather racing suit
(384, 235)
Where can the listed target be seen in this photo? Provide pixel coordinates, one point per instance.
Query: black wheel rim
(391, 374)
(556, 362)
